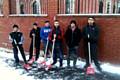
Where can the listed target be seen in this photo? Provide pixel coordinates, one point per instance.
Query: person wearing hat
(17, 39)
(35, 32)
(93, 31)
(72, 38)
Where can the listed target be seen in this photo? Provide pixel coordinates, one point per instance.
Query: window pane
(35, 8)
(22, 9)
(100, 6)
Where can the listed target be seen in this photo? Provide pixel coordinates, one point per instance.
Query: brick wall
(109, 46)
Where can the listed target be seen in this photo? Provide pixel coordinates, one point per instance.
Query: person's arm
(60, 35)
(96, 34)
(10, 39)
(80, 35)
(22, 40)
(84, 33)
(66, 36)
(31, 32)
(42, 33)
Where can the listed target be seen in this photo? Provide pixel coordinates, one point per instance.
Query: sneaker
(27, 66)
(31, 61)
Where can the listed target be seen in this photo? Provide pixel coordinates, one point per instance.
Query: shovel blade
(90, 70)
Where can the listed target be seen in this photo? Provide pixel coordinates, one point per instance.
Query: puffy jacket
(73, 38)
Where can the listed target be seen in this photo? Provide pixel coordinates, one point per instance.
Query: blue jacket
(44, 33)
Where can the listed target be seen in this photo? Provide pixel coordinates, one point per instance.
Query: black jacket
(17, 36)
(37, 36)
(93, 31)
(73, 38)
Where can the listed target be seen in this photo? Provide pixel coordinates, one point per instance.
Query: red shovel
(90, 69)
(43, 61)
(49, 63)
(33, 57)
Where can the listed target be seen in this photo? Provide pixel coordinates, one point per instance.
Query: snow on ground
(9, 73)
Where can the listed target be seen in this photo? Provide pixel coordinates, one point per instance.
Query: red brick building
(25, 12)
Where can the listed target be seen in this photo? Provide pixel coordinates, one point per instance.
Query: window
(100, 6)
(114, 8)
(21, 8)
(70, 6)
(118, 7)
(1, 6)
(36, 7)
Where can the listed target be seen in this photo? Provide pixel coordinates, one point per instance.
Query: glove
(20, 43)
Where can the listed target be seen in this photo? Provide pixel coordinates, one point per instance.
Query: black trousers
(37, 50)
(58, 53)
(72, 55)
(94, 55)
(15, 51)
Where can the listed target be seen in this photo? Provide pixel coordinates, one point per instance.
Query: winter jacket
(16, 38)
(73, 38)
(44, 33)
(59, 35)
(93, 31)
(37, 36)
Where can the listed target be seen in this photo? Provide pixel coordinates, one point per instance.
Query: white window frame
(110, 6)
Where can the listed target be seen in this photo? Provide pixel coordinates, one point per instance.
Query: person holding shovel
(91, 35)
(57, 33)
(35, 42)
(16, 39)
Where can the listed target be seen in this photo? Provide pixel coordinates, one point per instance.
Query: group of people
(72, 37)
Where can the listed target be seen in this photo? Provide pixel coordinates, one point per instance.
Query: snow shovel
(42, 61)
(26, 66)
(90, 69)
(33, 57)
(49, 63)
